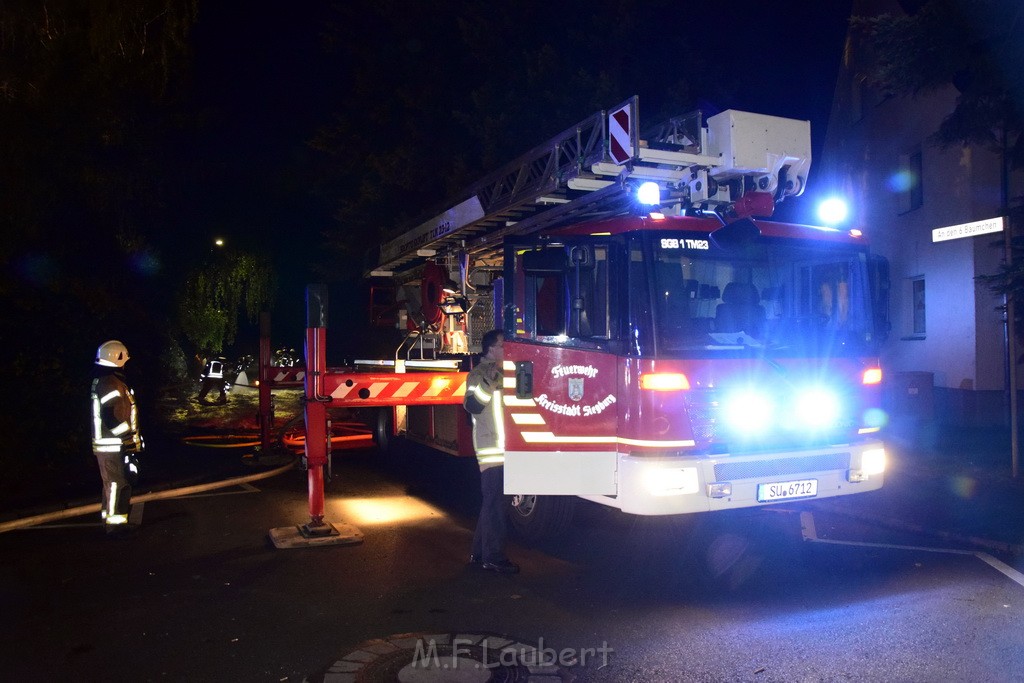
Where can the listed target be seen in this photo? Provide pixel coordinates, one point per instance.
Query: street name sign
(953, 232)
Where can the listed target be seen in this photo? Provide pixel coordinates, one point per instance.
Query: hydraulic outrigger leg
(316, 531)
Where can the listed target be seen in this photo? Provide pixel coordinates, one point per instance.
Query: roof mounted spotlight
(649, 194)
(833, 211)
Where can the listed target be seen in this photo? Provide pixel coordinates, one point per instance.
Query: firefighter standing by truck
(483, 401)
(116, 439)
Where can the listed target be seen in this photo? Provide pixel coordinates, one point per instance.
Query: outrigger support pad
(308, 535)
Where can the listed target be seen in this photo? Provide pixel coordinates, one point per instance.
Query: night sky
(273, 83)
(271, 79)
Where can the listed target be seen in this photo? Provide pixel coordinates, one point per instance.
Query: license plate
(787, 490)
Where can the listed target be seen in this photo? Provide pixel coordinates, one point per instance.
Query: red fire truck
(668, 354)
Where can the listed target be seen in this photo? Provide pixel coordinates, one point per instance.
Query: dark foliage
(976, 47)
(88, 93)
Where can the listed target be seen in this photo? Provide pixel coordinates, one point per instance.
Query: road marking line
(807, 527)
(1006, 569)
(809, 533)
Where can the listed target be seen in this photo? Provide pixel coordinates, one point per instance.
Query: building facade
(946, 352)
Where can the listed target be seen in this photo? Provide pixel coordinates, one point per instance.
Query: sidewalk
(951, 484)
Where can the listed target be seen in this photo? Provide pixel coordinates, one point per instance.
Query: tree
(218, 292)
(87, 88)
(441, 102)
(975, 47)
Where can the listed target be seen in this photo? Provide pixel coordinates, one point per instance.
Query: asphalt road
(199, 593)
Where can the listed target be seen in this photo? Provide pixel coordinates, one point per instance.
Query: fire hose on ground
(94, 508)
(290, 438)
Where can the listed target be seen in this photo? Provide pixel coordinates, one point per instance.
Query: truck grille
(703, 419)
(730, 471)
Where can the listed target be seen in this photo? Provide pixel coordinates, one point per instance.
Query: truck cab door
(561, 412)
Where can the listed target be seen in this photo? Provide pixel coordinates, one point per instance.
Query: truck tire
(392, 448)
(535, 518)
(382, 429)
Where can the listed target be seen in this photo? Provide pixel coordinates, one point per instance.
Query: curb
(953, 537)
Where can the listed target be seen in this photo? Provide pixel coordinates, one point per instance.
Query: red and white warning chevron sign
(287, 375)
(395, 389)
(620, 132)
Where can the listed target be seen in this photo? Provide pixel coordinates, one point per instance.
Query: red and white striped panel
(287, 375)
(395, 389)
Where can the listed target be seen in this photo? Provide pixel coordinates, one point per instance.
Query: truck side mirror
(548, 261)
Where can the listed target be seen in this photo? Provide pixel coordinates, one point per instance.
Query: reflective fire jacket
(214, 369)
(483, 401)
(115, 418)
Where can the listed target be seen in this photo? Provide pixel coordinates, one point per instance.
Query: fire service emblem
(576, 388)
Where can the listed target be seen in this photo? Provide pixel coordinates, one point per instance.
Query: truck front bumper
(668, 485)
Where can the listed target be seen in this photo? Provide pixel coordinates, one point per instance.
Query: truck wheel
(535, 518)
(392, 449)
(382, 430)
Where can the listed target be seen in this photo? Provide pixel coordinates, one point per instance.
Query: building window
(917, 306)
(908, 181)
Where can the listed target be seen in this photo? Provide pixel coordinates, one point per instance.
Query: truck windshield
(782, 298)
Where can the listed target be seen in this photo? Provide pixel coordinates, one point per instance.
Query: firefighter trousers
(491, 530)
(117, 493)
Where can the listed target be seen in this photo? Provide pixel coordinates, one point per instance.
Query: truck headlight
(873, 461)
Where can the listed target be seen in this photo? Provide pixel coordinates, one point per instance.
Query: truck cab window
(549, 304)
(781, 298)
(565, 291)
(589, 289)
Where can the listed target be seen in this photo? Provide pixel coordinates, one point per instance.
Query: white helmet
(112, 353)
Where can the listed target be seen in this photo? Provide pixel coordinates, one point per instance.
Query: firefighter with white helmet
(116, 439)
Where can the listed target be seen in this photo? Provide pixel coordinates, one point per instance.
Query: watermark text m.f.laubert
(465, 652)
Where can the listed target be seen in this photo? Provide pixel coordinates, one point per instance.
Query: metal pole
(315, 407)
(264, 380)
(1011, 363)
(315, 412)
(1011, 317)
